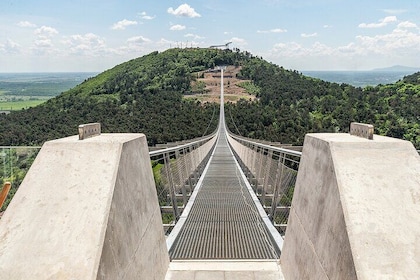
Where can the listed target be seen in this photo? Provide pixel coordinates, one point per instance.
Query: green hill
(146, 95)
(412, 79)
(292, 105)
(141, 95)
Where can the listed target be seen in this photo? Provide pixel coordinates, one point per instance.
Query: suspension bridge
(92, 207)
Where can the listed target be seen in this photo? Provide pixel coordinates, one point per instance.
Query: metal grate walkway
(224, 222)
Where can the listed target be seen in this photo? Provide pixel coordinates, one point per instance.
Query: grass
(200, 97)
(212, 98)
(250, 87)
(20, 104)
(234, 98)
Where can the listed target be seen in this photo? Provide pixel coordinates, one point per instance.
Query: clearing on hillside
(207, 89)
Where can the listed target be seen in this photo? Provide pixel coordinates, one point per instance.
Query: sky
(93, 35)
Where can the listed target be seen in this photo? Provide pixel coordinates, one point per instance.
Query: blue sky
(93, 35)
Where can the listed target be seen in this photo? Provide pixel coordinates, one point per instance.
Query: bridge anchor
(362, 130)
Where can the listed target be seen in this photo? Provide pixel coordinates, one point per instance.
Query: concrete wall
(355, 210)
(86, 210)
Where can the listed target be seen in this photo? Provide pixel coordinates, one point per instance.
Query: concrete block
(354, 210)
(292, 258)
(209, 275)
(239, 275)
(224, 269)
(183, 274)
(86, 210)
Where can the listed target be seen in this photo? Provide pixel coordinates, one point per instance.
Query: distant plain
(359, 78)
(23, 90)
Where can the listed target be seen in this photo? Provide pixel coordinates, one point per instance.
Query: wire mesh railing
(176, 171)
(270, 170)
(272, 173)
(14, 163)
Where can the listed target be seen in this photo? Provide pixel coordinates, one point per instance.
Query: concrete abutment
(86, 210)
(355, 210)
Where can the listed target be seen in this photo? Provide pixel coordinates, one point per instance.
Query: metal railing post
(255, 169)
(266, 176)
(187, 169)
(171, 186)
(278, 170)
(260, 169)
(181, 181)
(279, 178)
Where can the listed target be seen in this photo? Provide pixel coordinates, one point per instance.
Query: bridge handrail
(272, 173)
(196, 141)
(20, 147)
(177, 171)
(265, 146)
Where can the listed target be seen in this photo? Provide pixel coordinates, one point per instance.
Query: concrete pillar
(87, 209)
(355, 210)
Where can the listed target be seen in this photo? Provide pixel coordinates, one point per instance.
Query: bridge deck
(224, 222)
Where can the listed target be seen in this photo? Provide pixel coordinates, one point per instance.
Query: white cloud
(43, 46)
(184, 10)
(276, 30)
(238, 41)
(10, 47)
(26, 24)
(304, 35)
(399, 46)
(293, 49)
(88, 44)
(317, 56)
(389, 19)
(327, 26)
(350, 48)
(288, 49)
(164, 42)
(196, 37)
(394, 11)
(406, 24)
(145, 16)
(43, 43)
(399, 41)
(135, 44)
(383, 22)
(177, 27)
(227, 33)
(45, 31)
(122, 24)
(138, 40)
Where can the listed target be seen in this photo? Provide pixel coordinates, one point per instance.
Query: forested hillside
(146, 95)
(141, 95)
(292, 105)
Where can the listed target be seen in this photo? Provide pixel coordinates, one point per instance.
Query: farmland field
(20, 104)
(24, 90)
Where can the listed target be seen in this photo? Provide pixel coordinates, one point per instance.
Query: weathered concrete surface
(355, 210)
(224, 270)
(86, 210)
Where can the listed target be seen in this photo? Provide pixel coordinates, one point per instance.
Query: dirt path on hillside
(232, 91)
